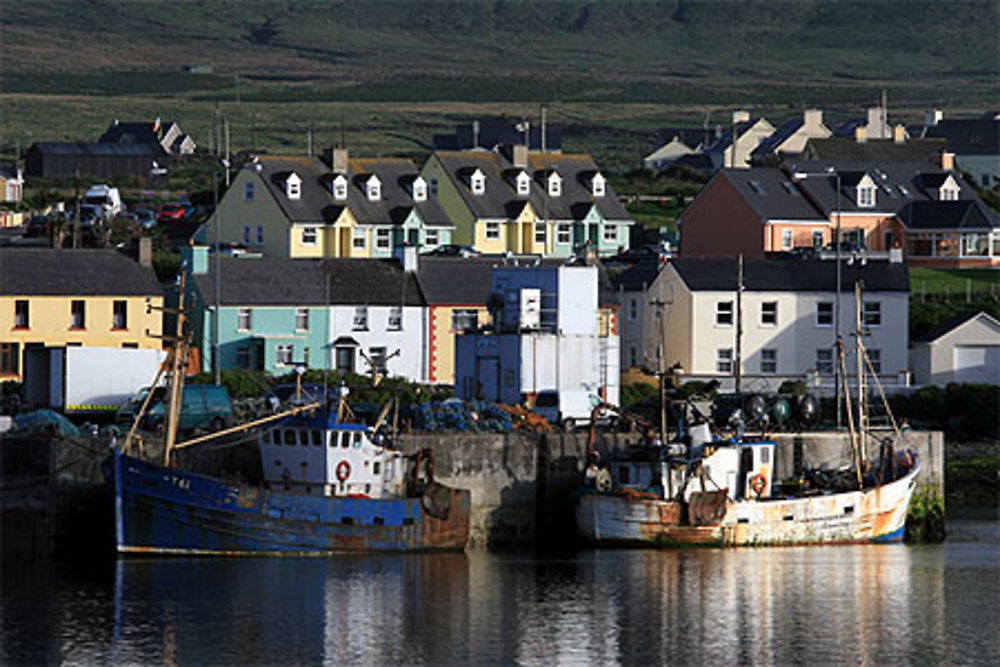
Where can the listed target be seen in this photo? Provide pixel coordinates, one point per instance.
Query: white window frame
(824, 361)
(373, 188)
(340, 188)
(523, 183)
(817, 238)
(564, 233)
(478, 183)
(769, 311)
(948, 194)
(769, 360)
(309, 236)
(492, 231)
(724, 310)
(419, 189)
(359, 238)
(555, 185)
(464, 319)
(302, 319)
(541, 233)
(283, 354)
(293, 186)
(360, 321)
(244, 319)
(871, 313)
(395, 322)
(383, 239)
(379, 359)
(866, 196)
(610, 233)
(787, 239)
(820, 311)
(432, 238)
(724, 360)
(875, 357)
(598, 185)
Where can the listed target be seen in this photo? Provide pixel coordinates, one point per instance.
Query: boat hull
(871, 515)
(165, 510)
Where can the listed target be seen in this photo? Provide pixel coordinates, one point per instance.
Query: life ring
(343, 471)
(758, 483)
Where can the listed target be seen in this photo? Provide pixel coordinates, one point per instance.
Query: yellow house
(52, 298)
(299, 207)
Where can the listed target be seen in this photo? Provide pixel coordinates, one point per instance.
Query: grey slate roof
(638, 276)
(966, 215)
(133, 133)
(978, 136)
(772, 194)
(57, 272)
(457, 281)
(271, 281)
(99, 149)
(490, 133)
(888, 176)
(879, 150)
(781, 134)
(790, 275)
(951, 324)
(318, 206)
(501, 201)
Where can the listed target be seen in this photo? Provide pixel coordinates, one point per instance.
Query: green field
(387, 75)
(955, 283)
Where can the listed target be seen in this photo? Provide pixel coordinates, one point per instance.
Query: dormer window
(419, 189)
(340, 187)
(523, 184)
(597, 185)
(555, 185)
(866, 196)
(478, 182)
(948, 190)
(293, 186)
(373, 188)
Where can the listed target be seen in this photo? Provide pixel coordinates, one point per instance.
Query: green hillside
(626, 67)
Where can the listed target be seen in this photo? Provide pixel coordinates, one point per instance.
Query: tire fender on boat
(343, 471)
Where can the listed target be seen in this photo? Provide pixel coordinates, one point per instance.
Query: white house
(781, 325)
(966, 349)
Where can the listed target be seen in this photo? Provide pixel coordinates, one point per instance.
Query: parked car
(202, 406)
(455, 251)
(171, 212)
(144, 217)
(38, 225)
(89, 214)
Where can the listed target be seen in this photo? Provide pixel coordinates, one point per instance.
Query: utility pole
(217, 282)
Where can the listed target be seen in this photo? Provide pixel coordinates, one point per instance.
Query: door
(488, 379)
(977, 363)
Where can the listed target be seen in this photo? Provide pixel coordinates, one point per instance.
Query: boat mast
(861, 354)
(842, 365)
(177, 372)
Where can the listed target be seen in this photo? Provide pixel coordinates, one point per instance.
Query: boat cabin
(318, 456)
(743, 469)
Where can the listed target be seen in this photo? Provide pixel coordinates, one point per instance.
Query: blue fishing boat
(328, 487)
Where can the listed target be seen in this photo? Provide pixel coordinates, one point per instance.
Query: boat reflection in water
(852, 604)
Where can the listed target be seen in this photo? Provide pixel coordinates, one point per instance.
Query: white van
(107, 197)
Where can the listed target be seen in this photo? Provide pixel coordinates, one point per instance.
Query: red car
(171, 212)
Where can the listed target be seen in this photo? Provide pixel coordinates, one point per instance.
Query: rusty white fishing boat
(705, 491)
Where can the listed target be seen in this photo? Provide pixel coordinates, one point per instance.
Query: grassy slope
(613, 71)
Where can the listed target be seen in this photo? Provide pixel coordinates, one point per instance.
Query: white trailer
(99, 379)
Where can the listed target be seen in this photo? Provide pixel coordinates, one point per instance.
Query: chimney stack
(947, 160)
(812, 117)
(861, 134)
(899, 134)
(933, 117)
(520, 155)
(740, 116)
(340, 158)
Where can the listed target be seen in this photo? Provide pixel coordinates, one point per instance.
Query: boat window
(849, 509)
(289, 436)
(303, 437)
(332, 439)
(378, 521)
(347, 520)
(345, 439)
(375, 467)
(357, 439)
(317, 438)
(266, 436)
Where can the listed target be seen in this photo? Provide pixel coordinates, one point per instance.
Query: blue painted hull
(165, 510)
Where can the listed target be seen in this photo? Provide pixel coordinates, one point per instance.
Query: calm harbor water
(887, 604)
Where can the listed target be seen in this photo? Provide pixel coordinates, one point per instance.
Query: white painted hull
(871, 515)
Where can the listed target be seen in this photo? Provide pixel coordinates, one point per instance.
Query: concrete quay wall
(522, 487)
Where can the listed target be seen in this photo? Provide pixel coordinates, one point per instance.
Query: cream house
(781, 325)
